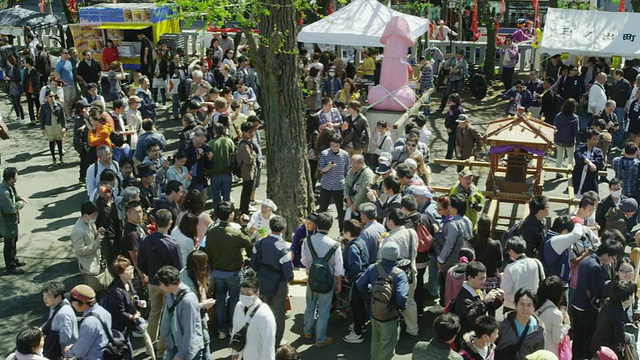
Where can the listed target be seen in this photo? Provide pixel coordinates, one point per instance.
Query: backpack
(425, 240)
(513, 231)
(383, 307)
(451, 307)
(320, 273)
(117, 348)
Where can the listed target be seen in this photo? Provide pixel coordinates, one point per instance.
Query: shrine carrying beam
(500, 195)
(476, 163)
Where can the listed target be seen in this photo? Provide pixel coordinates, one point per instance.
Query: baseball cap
(417, 190)
(462, 118)
(465, 172)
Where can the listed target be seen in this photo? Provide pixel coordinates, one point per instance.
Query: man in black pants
(334, 166)
(11, 204)
(80, 137)
(246, 158)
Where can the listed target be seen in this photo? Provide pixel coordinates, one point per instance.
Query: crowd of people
(156, 264)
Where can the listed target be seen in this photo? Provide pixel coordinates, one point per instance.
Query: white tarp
(361, 23)
(591, 33)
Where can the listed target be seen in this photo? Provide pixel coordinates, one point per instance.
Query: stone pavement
(54, 198)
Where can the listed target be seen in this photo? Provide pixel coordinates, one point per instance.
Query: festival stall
(361, 23)
(14, 20)
(121, 23)
(591, 33)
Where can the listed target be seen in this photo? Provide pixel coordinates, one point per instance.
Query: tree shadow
(56, 270)
(22, 157)
(55, 225)
(55, 192)
(62, 207)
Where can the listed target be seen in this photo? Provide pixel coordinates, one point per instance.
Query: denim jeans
(449, 90)
(323, 303)
(618, 136)
(226, 286)
(433, 287)
(175, 105)
(171, 353)
(220, 185)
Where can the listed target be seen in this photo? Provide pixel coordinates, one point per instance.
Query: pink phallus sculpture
(393, 93)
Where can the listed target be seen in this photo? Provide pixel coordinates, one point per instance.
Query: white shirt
(185, 244)
(259, 222)
(597, 98)
(93, 177)
(321, 244)
(261, 332)
(522, 273)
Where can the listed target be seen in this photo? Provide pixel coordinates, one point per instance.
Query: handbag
(239, 339)
(511, 352)
(51, 349)
(564, 348)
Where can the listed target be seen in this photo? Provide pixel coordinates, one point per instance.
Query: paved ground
(53, 207)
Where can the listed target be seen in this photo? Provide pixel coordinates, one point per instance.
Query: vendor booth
(591, 33)
(121, 23)
(361, 23)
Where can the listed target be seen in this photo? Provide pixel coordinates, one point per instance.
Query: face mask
(92, 220)
(246, 300)
(331, 73)
(138, 105)
(616, 194)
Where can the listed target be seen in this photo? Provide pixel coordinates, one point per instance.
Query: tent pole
(62, 41)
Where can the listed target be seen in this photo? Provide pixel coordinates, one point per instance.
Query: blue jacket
(554, 263)
(337, 86)
(400, 283)
(146, 138)
(591, 277)
(526, 98)
(157, 250)
(567, 127)
(271, 258)
(147, 107)
(92, 339)
(355, 258)
(299, 236)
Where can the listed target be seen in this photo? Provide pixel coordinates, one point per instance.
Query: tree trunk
(289, 177)
(490, 56)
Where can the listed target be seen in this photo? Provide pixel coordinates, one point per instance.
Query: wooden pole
(477, 163)
(512, 196)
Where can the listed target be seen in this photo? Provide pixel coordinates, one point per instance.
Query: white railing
(477, 51)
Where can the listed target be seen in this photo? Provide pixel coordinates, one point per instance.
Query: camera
(352, 192)
(374, 186)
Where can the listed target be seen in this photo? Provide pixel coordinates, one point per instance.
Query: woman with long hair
(186, 235)
(99, 130)
(550, 294)
(195, 276)
(348, 93)
(15, 87)
(194, 203)
(53, 124)
(178, 171)
(488, 251)
(567, 126)
(422, 170)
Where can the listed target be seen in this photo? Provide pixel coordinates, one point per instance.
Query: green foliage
(570, 4)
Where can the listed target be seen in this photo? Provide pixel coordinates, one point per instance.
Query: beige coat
(86, 246)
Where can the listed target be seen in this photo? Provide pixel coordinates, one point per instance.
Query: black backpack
(320, 273)
(183, 88)
(513, 231)
(117, 347)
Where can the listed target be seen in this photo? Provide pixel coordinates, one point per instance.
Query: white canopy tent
(361, 23)
(591, 33)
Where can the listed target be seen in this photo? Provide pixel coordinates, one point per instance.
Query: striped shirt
(333, 179)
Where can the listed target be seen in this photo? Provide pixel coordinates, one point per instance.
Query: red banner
(621, 6)
(536, 6)
(41, 6)
(474, 21)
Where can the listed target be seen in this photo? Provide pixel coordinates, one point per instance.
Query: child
(120, 148)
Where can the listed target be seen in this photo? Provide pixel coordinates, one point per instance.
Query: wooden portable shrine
(518, 145)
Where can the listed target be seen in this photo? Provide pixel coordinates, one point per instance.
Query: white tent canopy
(591, 33)
(361, 23)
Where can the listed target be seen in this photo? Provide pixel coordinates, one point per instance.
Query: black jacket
(164, 69)
(164, 203)
(89, 72)
(571, 87)
(533, 231)
(36, 83)
(610, 328)
(200, 165)
(469, 307)
(601, 211)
